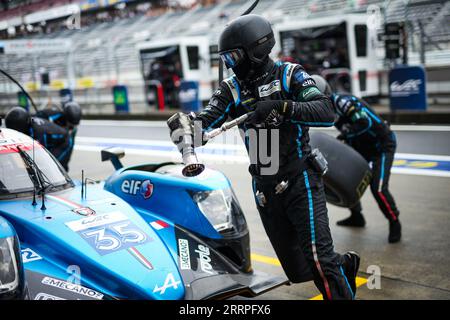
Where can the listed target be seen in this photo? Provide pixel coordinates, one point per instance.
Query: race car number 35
(109, 232)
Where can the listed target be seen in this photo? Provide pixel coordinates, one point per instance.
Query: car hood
(111, 248)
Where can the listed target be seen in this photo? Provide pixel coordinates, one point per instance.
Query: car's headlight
(216, 206)
(9, 272)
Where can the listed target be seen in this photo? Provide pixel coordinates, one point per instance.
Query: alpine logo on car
(205, 259)
(133, 187)
(72, 287)
(268, 89)
(185, 257)
(28, 255)
(170, 282)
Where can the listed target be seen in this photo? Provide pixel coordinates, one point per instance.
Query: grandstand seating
(107, 50)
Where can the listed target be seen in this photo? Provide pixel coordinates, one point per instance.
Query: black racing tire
(348, 172)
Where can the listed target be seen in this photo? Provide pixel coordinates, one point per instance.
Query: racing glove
(270, 112)
(181, 131)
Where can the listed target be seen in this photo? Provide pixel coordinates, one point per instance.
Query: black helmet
(72, 113)
(322, 85)
(248, 37)
(18, 119)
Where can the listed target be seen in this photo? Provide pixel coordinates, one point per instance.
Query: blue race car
(151, 234)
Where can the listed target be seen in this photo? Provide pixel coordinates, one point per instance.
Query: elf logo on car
(270, 88)
(185, 257)
(205, 259)
(133, 187)
(146, 189)
(170, 282)
(72, 287)
(29, 255)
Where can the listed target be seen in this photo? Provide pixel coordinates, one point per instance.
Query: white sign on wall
(38, 45)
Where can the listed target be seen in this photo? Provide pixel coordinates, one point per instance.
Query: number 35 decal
(113, 237)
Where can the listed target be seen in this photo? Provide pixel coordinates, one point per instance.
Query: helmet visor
(232, 58)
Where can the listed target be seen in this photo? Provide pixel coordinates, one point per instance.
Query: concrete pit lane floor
(416, 268)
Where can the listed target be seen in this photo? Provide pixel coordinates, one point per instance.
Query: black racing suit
(56, 116)
(295, 219)
(54, 138)
(368, 134)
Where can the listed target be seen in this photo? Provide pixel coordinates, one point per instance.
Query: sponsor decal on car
(13, 147)
(76, 207)
(96, 221)
(170, 282)
(109, 232)
(205, 259)
(28, 255)
(85, 211)
(140, 257)
(183, 251)
(134, 187)
(268, 89)
(46, 296)
(72, 287)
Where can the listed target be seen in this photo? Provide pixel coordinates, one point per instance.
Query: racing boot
(395, 231)
(355, 220)
(351, 267)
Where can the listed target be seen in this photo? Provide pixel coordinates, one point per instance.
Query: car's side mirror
(113, 154)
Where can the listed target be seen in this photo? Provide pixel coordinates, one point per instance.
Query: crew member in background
(67, 117)
(361, 128)
(53, 137)
(291, 201)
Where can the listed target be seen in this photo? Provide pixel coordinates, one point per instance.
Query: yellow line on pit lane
(265, 259)
(275, 262)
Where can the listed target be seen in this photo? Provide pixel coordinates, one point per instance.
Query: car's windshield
(14, 177)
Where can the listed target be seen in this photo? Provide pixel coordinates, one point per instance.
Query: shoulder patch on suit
(301, 76)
